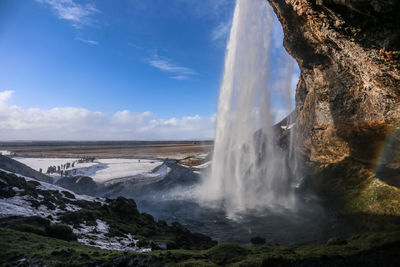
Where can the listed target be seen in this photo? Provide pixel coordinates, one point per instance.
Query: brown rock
(348, 95)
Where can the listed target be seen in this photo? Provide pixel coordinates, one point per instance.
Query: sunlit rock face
(348, 96)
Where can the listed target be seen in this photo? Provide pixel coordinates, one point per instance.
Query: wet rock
(80, 185)
(7, 192)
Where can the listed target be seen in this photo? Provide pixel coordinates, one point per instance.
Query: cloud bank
(71, 123)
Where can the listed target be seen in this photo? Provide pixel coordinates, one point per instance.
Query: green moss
(18, 245)
(362, 249)
(350, 188)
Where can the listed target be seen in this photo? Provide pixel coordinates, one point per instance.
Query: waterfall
(248, 170)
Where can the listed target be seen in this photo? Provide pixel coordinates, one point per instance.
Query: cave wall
(348, 95)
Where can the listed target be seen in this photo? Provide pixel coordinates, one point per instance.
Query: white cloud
(92, 42)
(4, 96)
(79, 15)
(70, 123)
(180, 72)
(220, 33)
(180, 77)
(165, 65)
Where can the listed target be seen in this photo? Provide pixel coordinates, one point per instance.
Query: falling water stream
(249, 171)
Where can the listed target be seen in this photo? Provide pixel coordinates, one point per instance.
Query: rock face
(348, 96)
(80, 185)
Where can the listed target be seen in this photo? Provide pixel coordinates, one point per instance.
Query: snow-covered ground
(143, 177)
(196, 162)
(119, 168)
(101, 170)
(19, 205)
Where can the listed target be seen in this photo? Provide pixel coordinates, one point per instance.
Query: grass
(366, 248)
(18, 245)
(369, 247)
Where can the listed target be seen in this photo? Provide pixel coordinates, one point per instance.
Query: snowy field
(101, 170)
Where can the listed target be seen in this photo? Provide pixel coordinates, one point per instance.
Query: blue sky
(132, 63)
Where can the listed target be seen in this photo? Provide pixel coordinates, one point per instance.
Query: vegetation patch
(369, 249)
(352, 188)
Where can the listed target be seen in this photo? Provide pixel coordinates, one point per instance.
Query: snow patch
(144, 178)
(96, 236)
(203, 166)
(20, 206)
(287, 127)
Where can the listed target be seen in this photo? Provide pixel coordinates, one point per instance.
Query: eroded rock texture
(348, 96)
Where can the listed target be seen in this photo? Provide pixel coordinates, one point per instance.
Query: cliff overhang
(347, 98)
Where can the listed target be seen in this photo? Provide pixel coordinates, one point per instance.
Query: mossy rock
(61, 231)
(352, 188)
(7, 192)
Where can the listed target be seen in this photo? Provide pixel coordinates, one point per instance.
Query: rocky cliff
(348, 98)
